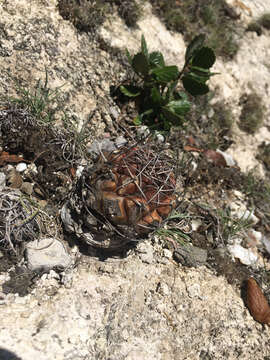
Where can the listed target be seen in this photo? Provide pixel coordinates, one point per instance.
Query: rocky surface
(140, 307)
(144, 305)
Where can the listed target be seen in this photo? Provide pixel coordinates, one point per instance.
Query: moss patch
(88, 15)
(261, 22)
(264, 154)
(192, 17)
(210, 123)
(251, 118)
(254, 26)
(264, 20)
(85, 15)
(128, 10)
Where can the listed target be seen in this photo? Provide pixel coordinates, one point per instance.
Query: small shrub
(255, 27)
(251, 118)
(128, 10)
(265, 20)
(88, 15)
(223, 117)
(207, 16)
(264, 154)
(161, 104)
(85, 15)
(261, 22)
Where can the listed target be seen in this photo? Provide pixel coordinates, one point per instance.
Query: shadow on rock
(8, 355)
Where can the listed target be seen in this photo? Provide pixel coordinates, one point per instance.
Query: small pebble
(27, 187)
(143, 131)
(47, 253)
(2, 180)
(160, 138)
(194, 290)
(246, 256)
(79, 171)
(21, 167)
(227, 157)
(120, 141)
(167, 253)
(114, 113)
(211, 113)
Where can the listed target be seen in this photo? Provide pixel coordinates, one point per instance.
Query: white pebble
(246, 256)
(160, 138)
(227, 157)
(120, 141)
(79, 171)
(167, 253)
(2, 179)
(21, 167)
(143, 131)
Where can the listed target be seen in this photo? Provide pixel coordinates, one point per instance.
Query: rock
(14, 179)
(160, 138)
(167, 253)
(143, 131)
(266, 242)
(211, 113)
(190, 255)
(27, 188)
(227, 157)
(46, 254)
(79, 171)
(21, 167)
(146, 252)
(246, 256)
(120, 141)
(240, 211)
(194, 290)
(195, 224)
(103, 145)
(2, 180)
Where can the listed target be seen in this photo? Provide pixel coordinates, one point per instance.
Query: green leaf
(200, 78)
(181, 95)
(155, 95)
(166, 74)
(129, 57)
(194, 46)
(170, 90)
(171, 116)
(144, 49)
(204, 58)
(179, 107)
(137, 121)
(194, 87)
(130, 91)
(156, 59)
(140, 64)
(200, 70)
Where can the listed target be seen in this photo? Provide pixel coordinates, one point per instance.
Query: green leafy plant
(161, 102)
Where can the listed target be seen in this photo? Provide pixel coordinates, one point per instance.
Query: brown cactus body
(135, 187)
